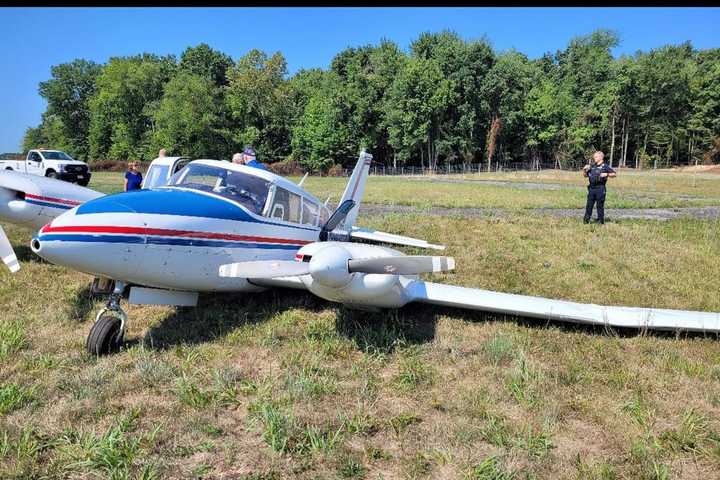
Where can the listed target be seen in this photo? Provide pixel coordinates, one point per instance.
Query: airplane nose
(104, 237)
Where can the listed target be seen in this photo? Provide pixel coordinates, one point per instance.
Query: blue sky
(34, 39)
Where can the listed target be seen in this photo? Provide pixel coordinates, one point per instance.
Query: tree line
(445, 101)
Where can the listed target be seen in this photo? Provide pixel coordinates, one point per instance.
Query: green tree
(128, 91)
(67, 93)
(258, 98)
(704, 124)
(466, 65)
(549, 112)
(418, 100)
(364, 77)
(206, 62)
(504, 90)
(190, 119)
(320, 138)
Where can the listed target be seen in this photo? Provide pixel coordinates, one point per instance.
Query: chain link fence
(457, 169)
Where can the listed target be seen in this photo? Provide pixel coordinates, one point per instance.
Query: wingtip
(12, 263)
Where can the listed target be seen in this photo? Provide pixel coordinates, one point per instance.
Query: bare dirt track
(701, 213)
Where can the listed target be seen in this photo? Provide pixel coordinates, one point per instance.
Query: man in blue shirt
(597, 175)
(249, 159)
(133, 178)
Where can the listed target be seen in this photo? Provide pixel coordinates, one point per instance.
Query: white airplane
(221, 227)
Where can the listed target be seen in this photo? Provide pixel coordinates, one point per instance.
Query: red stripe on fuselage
(168, 233)
(51, 199)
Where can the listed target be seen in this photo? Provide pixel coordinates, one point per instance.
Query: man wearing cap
(249, 159)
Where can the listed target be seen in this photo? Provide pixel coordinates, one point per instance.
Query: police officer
(597, 175)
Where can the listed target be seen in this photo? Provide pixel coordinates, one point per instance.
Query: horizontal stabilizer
(390, 238)
(561, 310)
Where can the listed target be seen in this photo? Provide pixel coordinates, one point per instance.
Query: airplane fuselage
(170, 238)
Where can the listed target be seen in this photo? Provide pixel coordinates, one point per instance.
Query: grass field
(628, 190)
(284, 385)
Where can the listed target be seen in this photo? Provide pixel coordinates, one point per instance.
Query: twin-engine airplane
(221, 227)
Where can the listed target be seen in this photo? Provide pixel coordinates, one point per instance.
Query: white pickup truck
(50, 163)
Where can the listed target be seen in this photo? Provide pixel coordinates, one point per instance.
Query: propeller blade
(405, 265)
(264, 269)
(7, 253)
(338, 215)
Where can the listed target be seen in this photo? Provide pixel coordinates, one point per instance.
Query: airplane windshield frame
(247, 190)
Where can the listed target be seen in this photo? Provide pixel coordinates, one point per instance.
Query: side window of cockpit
(179, 165)
(310, 212)
(324, 215)
(286, 206)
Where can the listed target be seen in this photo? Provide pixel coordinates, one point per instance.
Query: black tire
(83, 183)
(51, 174)
(105, 336)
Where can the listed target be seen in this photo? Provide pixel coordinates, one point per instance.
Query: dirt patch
(500, 183)
(702, 213)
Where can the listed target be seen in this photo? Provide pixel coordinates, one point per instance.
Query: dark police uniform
(596, 191)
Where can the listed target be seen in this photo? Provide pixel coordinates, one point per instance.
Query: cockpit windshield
(249, 191)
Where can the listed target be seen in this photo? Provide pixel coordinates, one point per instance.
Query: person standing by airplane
(250, 160)
(133, 178)
(597, 175)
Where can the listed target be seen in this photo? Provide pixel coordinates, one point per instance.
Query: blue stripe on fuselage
(187, 242)
(175, 202)
(46, 204)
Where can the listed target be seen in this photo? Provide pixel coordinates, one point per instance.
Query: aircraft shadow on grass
(218, 315)
(25, 255)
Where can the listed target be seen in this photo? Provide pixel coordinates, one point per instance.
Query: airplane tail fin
(356, 187)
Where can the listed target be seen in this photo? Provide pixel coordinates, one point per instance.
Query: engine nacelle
(330, 279)
(33, 201)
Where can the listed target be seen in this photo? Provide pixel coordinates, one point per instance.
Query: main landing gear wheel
(107, 334)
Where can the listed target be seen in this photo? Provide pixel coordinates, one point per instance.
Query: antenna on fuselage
(303, 179)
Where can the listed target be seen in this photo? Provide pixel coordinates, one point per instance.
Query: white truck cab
(52, 164)
(161, 169)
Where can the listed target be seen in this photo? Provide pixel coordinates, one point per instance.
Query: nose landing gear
(107, 334)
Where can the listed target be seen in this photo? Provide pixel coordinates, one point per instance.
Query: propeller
(409, 265)
(333, 266)
(336, 218)
(7, 253)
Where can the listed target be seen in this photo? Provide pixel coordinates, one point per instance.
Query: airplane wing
(372, 276)
(548, 309)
